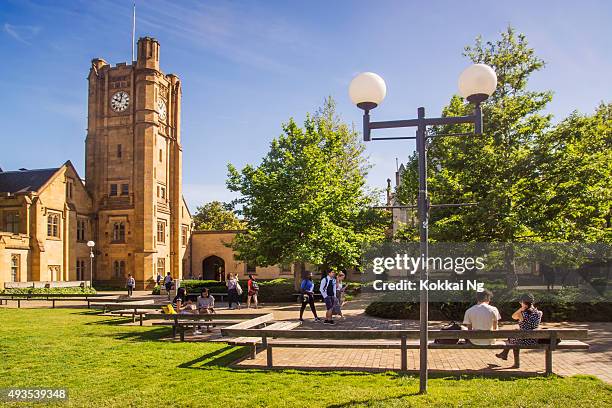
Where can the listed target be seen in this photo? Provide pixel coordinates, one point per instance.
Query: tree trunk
(510, 266)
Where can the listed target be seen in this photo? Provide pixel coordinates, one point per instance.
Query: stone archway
(213, 268)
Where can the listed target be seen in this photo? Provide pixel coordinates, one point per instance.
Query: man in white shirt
(482, 316)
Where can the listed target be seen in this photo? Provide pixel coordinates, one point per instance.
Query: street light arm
(475, 118)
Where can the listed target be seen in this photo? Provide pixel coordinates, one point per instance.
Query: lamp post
(367, 90)
(91, 246)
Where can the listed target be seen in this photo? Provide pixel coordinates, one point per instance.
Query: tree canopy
(530, 180)
(216, 216)
(307, 201)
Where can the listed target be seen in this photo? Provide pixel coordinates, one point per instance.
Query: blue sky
(247, 66)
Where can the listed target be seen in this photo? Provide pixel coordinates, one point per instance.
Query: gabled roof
(24, 181)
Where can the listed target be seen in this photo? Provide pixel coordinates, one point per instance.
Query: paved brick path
(596, 361)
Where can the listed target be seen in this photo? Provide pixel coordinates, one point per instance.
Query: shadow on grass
(150, 334)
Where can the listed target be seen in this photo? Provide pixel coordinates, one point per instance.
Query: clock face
(120, 101)
(161, 109)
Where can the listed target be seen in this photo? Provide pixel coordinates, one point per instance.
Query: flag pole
(133, 28)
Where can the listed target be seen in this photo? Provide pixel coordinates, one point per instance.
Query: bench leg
(53, 303)
(141, 319)
(404, 352)
(134, 318)
(174, 331)
(18, 303)
(182, 333)
(549, 369)
(254, 351)
(269, 356)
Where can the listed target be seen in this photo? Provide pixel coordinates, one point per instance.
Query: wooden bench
(253, 342)
(569, 339)
(218, 296)
(120, 304)
(141, 313)
(49, 298)
(180, 322)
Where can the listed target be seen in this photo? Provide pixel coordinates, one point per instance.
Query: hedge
(276, 290)
(558, 305)
(49, 291)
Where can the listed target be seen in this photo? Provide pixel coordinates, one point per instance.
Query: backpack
(452, 326)
(254, 285)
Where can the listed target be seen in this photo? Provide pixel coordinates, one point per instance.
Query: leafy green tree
(307, 201)
(529, 180)
(573, 184)
(216, 216)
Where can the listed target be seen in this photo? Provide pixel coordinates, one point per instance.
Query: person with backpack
(131, 283)
(307, 290)
(252, 291)
(328, 291)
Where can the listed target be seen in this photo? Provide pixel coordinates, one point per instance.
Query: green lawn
(105, 364)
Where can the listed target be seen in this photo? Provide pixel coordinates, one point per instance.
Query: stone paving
(596, 361)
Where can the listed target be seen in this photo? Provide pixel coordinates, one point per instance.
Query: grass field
(106, 364)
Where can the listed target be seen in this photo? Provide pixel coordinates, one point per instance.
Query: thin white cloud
(22, 33)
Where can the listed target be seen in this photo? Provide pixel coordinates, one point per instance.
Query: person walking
(168, 284)
(158, 279)
(307, 290)
(529, 318)
(233, 291)
(131, 283)
(340, 289)
(482, 316)
(252, 291)
(328, 291)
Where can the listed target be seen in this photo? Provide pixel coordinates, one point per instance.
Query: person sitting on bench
(206, 302)
(482, 316)
(529, 318)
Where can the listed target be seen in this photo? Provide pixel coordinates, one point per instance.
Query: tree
(530, 181)
(307, 201)
(216, 216)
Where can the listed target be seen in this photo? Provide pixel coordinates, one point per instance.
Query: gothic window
(161, 155)
(285, 268)
(119, 151)
(15, 266)
(119, 232)
(251, 267)
(53, 225)
(161, 231)
(113, 190)
(161, 266)
(11, 222)
(119, 269)
(69, 186)
(125, 189)
(80, 269)
(81, 230)
(184, 236)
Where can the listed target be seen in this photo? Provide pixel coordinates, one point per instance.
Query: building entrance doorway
(213, 268)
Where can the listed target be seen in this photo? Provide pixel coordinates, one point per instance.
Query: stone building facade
(130, 202)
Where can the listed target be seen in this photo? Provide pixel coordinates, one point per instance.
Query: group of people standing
(332, 290)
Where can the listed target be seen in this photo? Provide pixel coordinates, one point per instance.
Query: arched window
(53, 225)
(15, 265)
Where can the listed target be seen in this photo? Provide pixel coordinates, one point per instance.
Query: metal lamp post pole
(421, 123)
(423, 214)
(91, 257)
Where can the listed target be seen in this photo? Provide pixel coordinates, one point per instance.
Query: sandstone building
(130, 202)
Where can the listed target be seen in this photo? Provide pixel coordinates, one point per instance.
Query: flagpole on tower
(133, 29)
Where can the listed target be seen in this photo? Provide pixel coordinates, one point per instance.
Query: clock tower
(133, 160)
